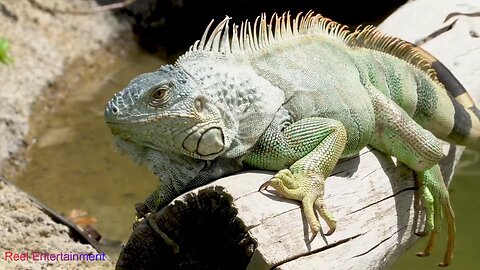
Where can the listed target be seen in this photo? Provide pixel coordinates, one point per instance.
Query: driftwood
(228, 224)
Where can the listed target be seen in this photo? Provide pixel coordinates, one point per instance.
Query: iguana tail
(466, 119)
(443, 105)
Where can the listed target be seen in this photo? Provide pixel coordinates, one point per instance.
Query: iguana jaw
(202, 140)
(198, 133)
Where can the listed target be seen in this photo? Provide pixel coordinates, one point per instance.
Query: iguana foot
(142, 212)
(436, 200)
(309, 190)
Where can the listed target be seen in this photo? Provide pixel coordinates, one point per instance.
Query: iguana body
(295, 96)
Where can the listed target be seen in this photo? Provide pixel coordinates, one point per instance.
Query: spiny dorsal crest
(246, 39)
(265, 33)
(371, 38)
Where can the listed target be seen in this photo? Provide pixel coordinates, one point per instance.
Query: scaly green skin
(295, 101)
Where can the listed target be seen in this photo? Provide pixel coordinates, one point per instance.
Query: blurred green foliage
(4, 51)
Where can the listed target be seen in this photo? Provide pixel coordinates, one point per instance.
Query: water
(75, 166)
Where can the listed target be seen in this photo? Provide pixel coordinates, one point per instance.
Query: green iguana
(295, 96)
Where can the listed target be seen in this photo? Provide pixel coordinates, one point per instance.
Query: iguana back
(302, 54)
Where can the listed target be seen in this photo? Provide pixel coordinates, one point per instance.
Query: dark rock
(175, 24)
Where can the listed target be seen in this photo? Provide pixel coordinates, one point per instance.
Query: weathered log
(228, 224)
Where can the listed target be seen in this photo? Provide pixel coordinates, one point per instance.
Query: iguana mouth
(206, 143)
(111, 120)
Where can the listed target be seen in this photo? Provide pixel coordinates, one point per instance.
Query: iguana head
(167, 110)
(211, 102)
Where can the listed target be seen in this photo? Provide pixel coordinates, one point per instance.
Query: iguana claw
(421, 234)
(314, 234)
(265, 185)
(331, 231)
(422, 254)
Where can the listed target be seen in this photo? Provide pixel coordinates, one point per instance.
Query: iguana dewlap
(295, 96)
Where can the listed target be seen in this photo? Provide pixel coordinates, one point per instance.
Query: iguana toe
(325, 214)
(283, 182)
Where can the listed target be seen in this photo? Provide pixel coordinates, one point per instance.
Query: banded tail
(466, 126)
(453, 117)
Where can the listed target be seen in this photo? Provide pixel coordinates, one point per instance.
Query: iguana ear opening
(199, 104)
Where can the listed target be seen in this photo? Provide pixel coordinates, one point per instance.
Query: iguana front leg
(174, 181)
(310, 148)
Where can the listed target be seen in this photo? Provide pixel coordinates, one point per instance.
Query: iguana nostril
(111, 113)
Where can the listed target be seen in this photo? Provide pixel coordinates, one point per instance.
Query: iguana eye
(159, 93)
(159, 96)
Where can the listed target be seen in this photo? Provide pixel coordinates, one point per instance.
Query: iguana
(295, 95)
